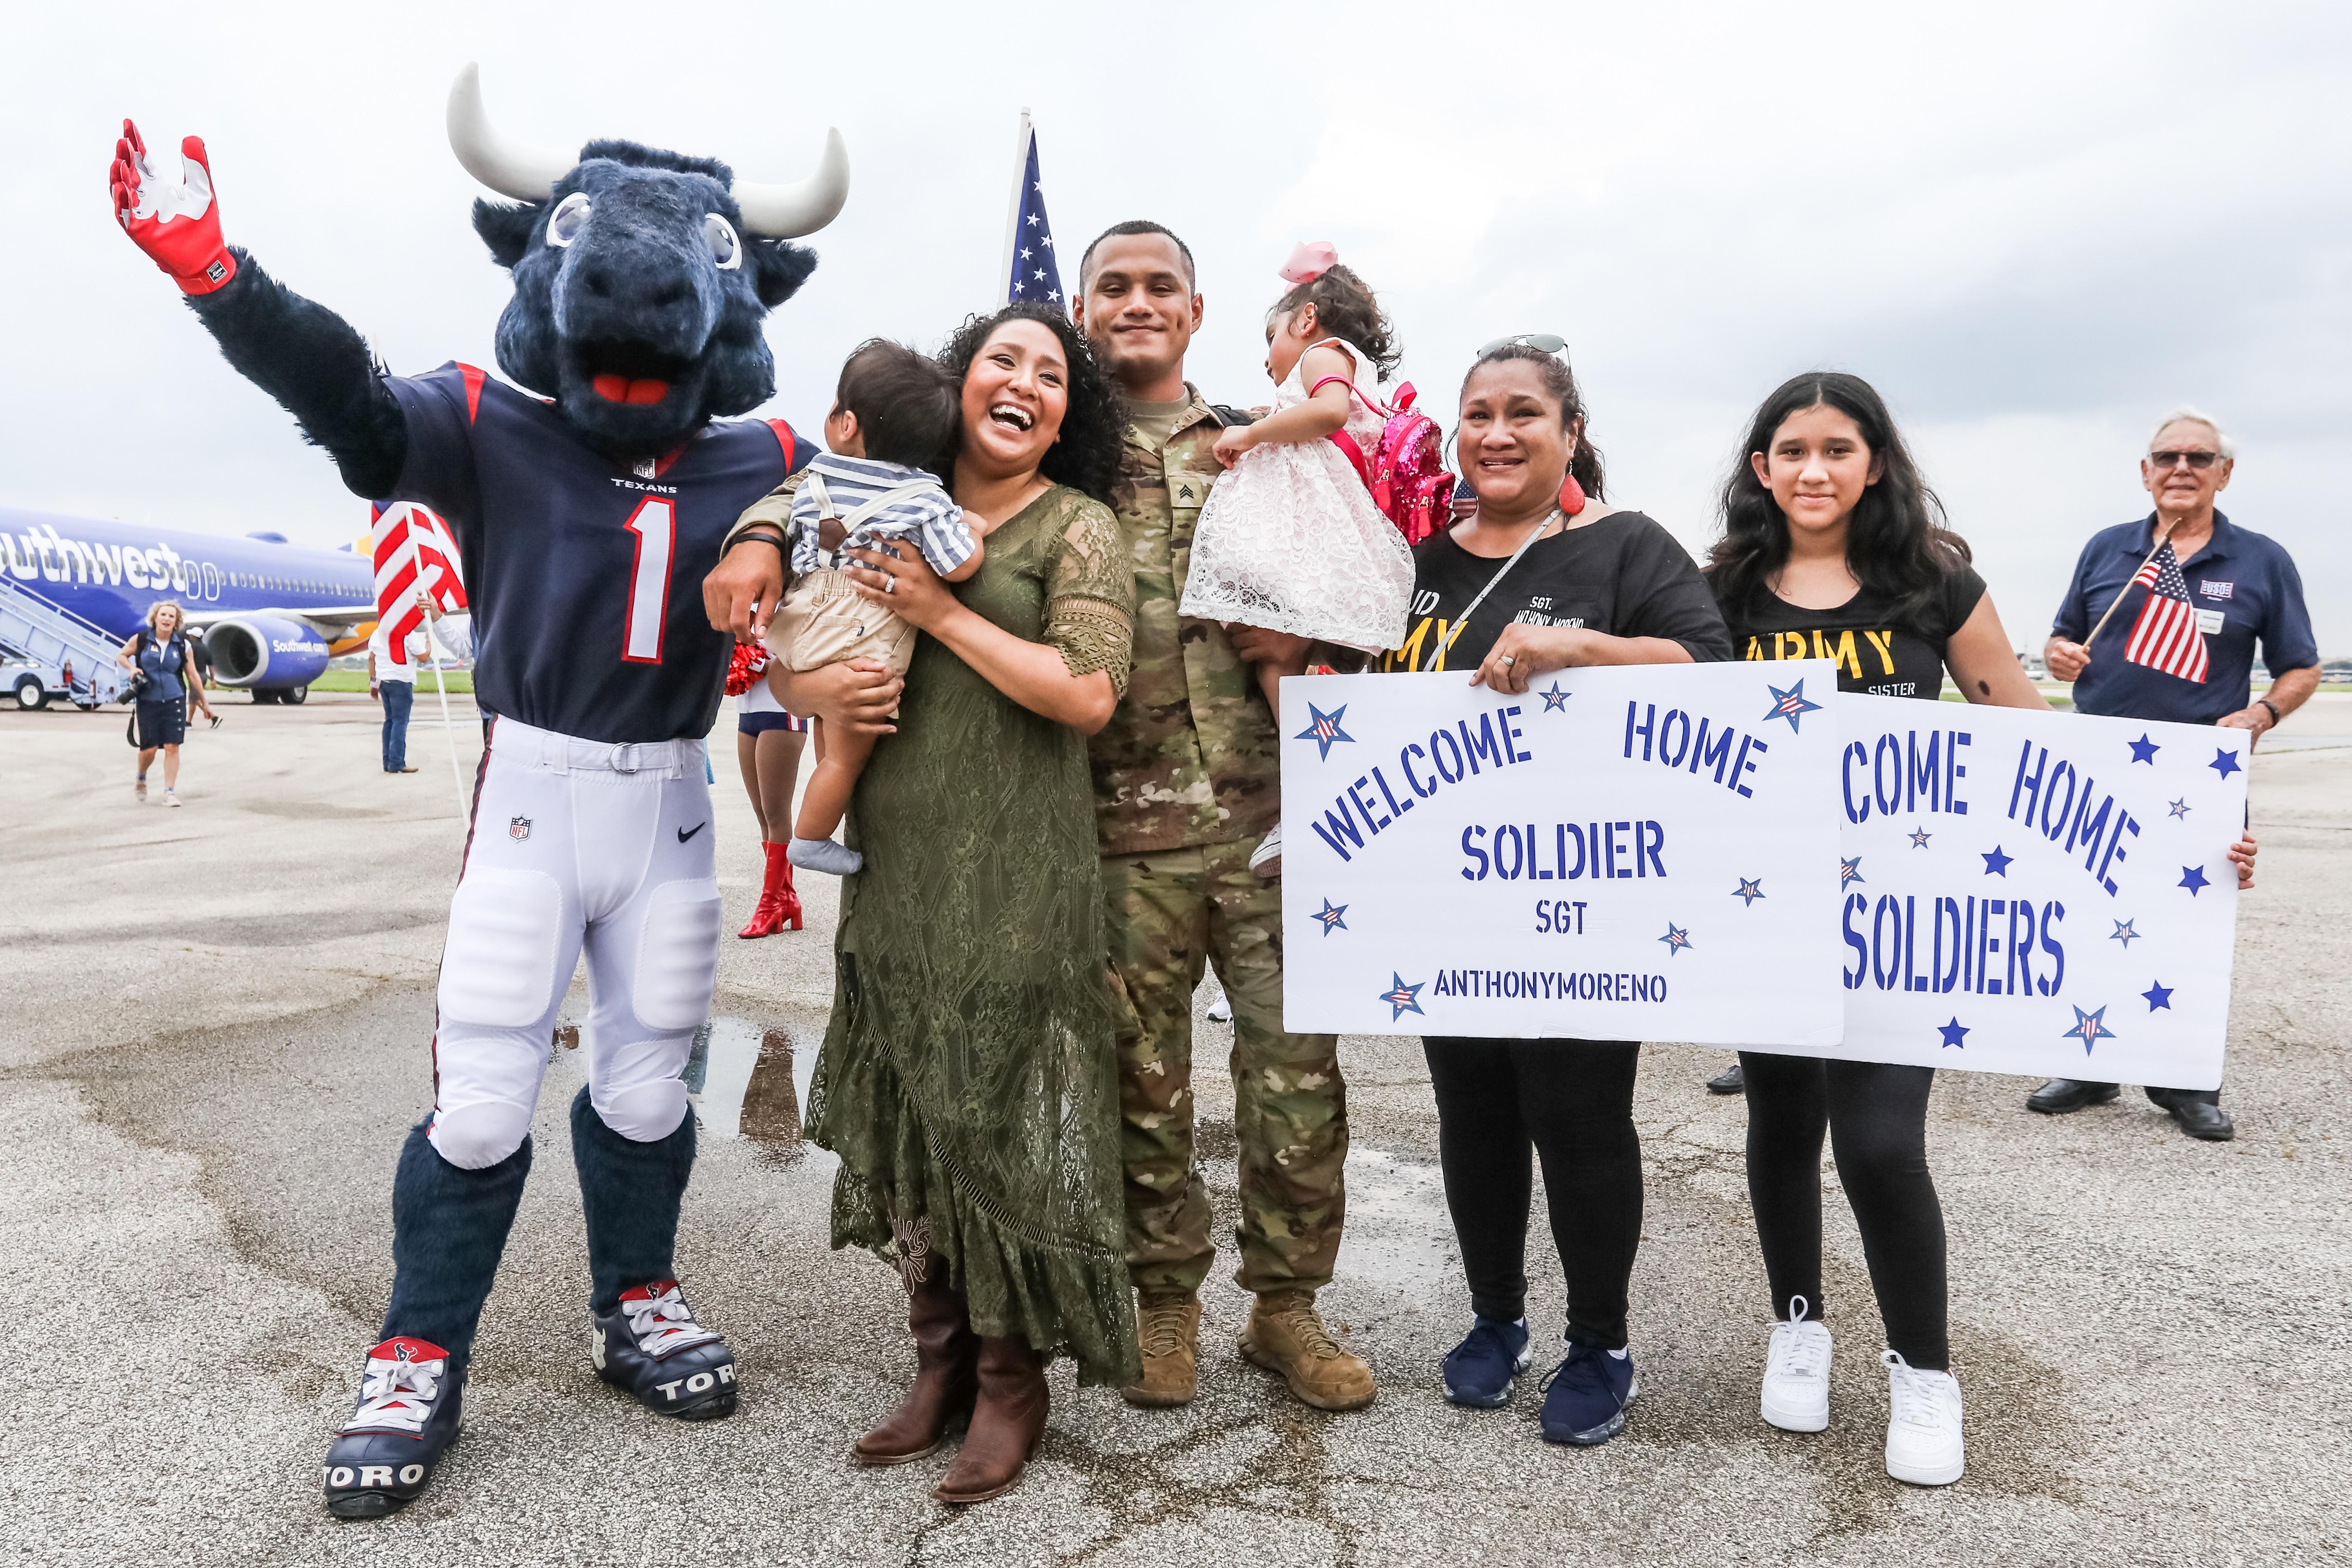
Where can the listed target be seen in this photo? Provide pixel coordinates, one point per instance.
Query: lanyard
(1463, 620)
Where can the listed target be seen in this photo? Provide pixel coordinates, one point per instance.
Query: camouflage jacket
(1191, 756)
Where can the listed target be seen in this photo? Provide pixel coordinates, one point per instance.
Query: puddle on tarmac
(745, 1081)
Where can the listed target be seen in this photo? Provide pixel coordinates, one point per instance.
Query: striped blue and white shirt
(836, 485)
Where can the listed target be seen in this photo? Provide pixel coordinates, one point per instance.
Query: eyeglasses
(1543, 342)
(2201, 461)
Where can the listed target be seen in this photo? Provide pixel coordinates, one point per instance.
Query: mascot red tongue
(587, 509)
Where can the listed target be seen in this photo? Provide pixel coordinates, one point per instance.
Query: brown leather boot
(1007, 1423)
(947, 1361)
(1168, 1329)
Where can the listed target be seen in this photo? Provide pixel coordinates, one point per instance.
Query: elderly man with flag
(2181, 595)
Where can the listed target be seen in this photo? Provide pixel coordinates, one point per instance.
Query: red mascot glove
(175, 221)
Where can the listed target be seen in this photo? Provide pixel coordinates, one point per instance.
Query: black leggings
(1876, 1117)
(1572, 1100)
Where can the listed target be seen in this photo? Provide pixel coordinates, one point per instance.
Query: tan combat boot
(1168, 1328)
(1286, 1335)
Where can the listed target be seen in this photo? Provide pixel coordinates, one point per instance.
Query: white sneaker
(1266, 859)
(1923, 1426)
(1796, 1373)
(171, 797)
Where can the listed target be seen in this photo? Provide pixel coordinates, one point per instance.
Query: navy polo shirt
(2244, 586)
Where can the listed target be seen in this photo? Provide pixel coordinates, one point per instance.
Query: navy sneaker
(408, 1417)
(1483, 1368)
(1586, 1395)
(650, 1345)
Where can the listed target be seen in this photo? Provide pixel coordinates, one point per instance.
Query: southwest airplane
(272, 613)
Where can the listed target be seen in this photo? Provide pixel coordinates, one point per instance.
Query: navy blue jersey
(584, 574)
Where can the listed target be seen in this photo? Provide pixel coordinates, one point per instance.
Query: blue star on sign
(1955, 1034)
(2090, 1028)
(1676, 937)
(2193, 878)
(2144, 750)
(1850, 871)
(1751, 888)
(2124, 934)
(1920, 837)
(1325, 730)
(1401, 998)
(1998, 864)
(2180, 807)
(2157, 994)
(1791, 704)
(1329, 915)
(1554, 697)
(2225, 761)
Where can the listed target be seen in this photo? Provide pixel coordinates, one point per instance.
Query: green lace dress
(968, 1078)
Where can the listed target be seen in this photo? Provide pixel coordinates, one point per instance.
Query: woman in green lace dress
(968, 1079)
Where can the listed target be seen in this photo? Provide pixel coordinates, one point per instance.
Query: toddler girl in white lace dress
(1290, 540)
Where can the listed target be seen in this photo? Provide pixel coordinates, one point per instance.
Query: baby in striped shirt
(892, 426)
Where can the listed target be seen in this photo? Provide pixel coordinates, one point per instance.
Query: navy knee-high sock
(448, 1229)
(631, 1192)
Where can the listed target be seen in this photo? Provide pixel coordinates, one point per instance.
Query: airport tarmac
(215, 1036)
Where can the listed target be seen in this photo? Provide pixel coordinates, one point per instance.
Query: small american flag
(2165, 637)
(1032, 276)
(411, 546)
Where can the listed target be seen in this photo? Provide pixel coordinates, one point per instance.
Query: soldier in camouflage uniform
(1187, 780)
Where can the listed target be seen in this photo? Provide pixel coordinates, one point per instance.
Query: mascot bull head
(641, 276)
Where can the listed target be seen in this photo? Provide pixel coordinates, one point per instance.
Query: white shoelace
(1794, 1352)
(663, 1323)
(397, 1394)
(1912, 1394)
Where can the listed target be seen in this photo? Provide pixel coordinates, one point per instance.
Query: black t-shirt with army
(1879, 649)
(1622, 574)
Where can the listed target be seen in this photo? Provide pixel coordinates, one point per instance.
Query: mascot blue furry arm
(587, 519)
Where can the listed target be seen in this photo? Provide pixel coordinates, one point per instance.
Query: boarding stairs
(51, 637)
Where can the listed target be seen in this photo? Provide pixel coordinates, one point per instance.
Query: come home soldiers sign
(1713, 853)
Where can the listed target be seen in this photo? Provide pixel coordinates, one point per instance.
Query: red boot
(768, 914)
(788, 902)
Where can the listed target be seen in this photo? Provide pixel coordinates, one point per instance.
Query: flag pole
(1012, 208)
(433, 652)
(2161, 541)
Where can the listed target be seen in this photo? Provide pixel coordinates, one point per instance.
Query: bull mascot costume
(588, 517)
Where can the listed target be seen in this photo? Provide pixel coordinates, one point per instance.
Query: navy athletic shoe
(1586, 1395)
(408, 1417)
(1483, 1368)
(651, 1346)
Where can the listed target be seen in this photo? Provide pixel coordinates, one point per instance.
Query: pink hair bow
(1309, 259)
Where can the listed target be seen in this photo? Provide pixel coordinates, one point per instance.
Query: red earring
(1571, 496)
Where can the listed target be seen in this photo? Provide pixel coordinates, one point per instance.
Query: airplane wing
(330, 622)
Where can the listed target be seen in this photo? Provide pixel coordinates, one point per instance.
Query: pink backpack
(1403, 471)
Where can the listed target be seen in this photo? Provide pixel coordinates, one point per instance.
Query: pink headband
(1309, 259)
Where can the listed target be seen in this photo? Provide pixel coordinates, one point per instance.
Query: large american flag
(2166, 637)
(1029, 242)
(412, 547)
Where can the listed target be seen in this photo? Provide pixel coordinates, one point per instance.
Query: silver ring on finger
(1508, 659)
(889, 582)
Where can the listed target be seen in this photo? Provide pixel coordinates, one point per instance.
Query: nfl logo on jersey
(518, 828)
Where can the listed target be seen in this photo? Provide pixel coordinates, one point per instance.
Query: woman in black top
(1832, 548)
(1566, 580)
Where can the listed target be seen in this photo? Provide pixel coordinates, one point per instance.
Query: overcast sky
(2033, 227)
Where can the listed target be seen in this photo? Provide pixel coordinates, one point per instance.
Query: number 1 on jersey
(654, 522)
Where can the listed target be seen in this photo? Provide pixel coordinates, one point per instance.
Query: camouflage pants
(1166, 914)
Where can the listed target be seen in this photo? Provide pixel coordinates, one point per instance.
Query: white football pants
(576, 844)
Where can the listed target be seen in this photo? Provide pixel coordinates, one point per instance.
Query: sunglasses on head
(1543, 342)
(2201, 461)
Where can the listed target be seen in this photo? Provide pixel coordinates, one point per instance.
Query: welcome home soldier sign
(1639, 853)
(2044, 893)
